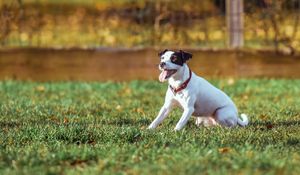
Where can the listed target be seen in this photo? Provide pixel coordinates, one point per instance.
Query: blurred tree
(235, 23)
(5, 19)
(20, 18)
(277, 16)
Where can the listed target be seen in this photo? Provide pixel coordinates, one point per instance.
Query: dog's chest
(181, 98)
(201, 108)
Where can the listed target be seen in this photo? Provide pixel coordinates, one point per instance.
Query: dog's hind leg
(227, 116)
(206, 121)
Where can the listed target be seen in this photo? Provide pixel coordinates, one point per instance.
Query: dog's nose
(162, 64)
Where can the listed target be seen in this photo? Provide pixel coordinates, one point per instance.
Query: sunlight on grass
(100, 128)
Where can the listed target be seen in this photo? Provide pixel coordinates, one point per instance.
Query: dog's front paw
(151, 127)
(177, 128)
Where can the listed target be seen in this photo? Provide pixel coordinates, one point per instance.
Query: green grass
(84, 128)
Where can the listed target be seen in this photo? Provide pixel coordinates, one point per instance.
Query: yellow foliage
(289, 30)
(167, 37)
(24, 37)
(216, 35)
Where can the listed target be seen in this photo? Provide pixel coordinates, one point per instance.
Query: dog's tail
(244, 121)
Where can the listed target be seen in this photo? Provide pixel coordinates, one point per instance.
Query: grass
(93, 128)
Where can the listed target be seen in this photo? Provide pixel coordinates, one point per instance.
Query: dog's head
(171, 62)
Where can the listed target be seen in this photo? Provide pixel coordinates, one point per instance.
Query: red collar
(183, 85)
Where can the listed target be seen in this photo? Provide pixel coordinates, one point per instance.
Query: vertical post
(235, 23)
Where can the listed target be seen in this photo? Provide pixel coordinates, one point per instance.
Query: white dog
(194, 95)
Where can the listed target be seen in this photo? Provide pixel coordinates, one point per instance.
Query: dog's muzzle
(162, 65)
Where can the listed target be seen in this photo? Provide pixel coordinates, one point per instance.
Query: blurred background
(119, 40)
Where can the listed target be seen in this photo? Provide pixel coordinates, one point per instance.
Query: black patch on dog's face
(176, 59)
(180, 57)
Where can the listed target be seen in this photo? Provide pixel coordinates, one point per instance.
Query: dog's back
(209, 98)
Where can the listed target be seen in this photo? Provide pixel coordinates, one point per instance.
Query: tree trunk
(235, 23)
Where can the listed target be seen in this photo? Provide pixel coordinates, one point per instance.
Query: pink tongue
(162, 76)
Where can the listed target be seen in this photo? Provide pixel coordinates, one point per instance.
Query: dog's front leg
(187, 113)
(163, 113)
(188, 109)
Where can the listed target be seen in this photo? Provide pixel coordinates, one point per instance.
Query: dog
(194, 95)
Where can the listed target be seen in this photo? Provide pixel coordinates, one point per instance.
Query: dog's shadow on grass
(115, 122)
(269, 124)
(145, 121)
(9, 124)
(127, 122)
(260, 124)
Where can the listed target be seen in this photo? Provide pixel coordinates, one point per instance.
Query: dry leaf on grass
(224, 150)
(40, 88)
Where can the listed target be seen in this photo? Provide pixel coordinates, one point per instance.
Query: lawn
(100, 127)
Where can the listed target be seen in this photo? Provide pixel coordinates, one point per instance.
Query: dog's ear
(185, 55)
(162, 52)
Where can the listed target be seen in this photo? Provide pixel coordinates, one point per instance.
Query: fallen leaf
(269, 126)
(263, 117)
(91, 142)
(66, 120)
(126, 91)
(78, 162)
(140, 110)
(245, 97)
(54, 119)
(224, 150)
(143, 127)
(5, 129)
(119, 107)
(40, 88)
(230, 81)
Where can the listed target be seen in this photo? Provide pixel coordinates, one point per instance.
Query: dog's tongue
(162, 76)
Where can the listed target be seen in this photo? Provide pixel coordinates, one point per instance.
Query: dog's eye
(173, 58)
